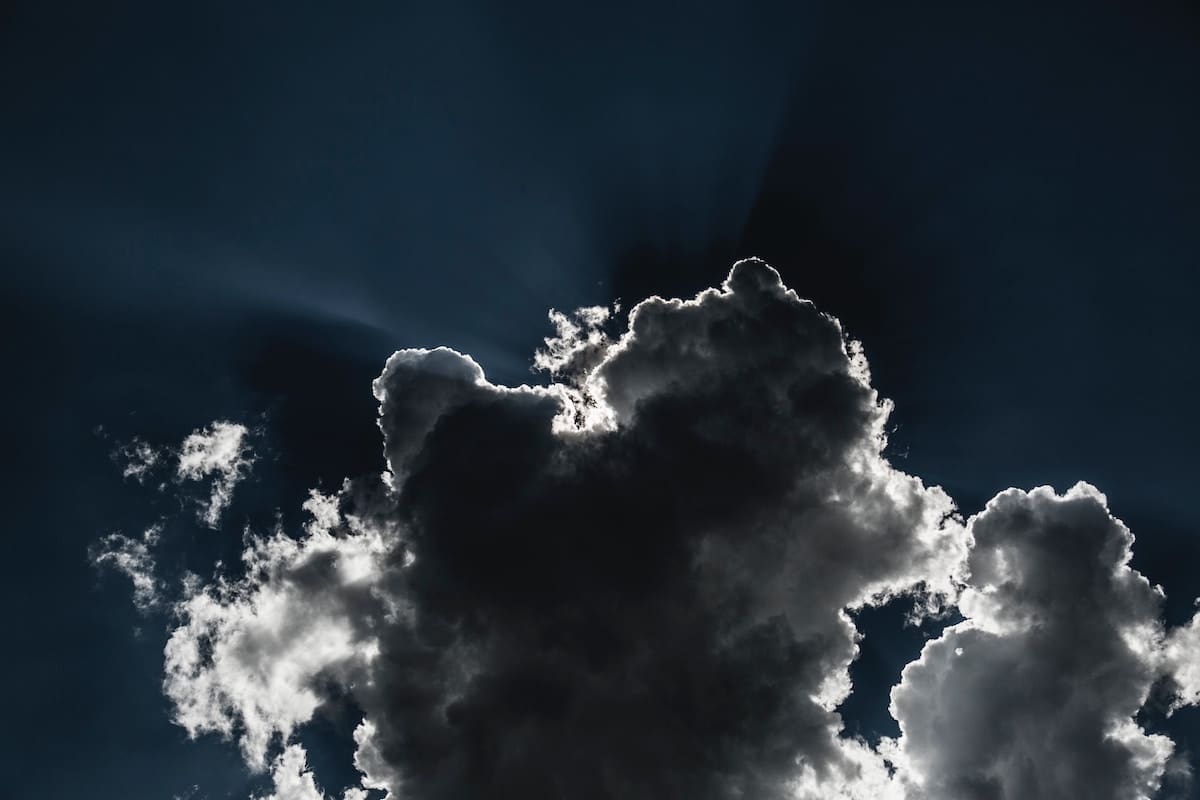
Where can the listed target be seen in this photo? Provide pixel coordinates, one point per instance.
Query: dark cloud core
(635, 583)
(650, 604)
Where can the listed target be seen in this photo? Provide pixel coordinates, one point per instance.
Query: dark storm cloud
(634, 582)
(651, 606)
(630, 584)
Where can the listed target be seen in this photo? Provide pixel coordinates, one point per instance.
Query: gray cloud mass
(635, 583)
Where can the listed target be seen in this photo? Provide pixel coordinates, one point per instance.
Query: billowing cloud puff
(635, 582)
(248, 654)
(294, 781)
(1182, 655)
(653, 605)
(1033, 696)
(630, 584)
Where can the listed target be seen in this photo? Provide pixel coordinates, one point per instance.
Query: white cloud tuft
(730, 580)
(137, 459)
(294, 781)
(1182, 661)
(218, 451)
(133, 558)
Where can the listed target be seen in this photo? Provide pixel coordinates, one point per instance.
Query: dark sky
(205, 206)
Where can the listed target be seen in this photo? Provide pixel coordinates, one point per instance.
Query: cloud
(635, 582)
(646, 598)
(247, 654)
(134, 558)
(1034, 694)
(293, 780)
(137, 459)
(219, 452)
(1183, 662)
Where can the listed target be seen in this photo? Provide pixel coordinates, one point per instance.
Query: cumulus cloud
(1034, 694)
(219, 453)
(1183, 662)
(636, 582)
(293, 780)
(645, 598)
(248, 653)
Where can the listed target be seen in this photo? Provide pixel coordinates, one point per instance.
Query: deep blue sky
(228, 211)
